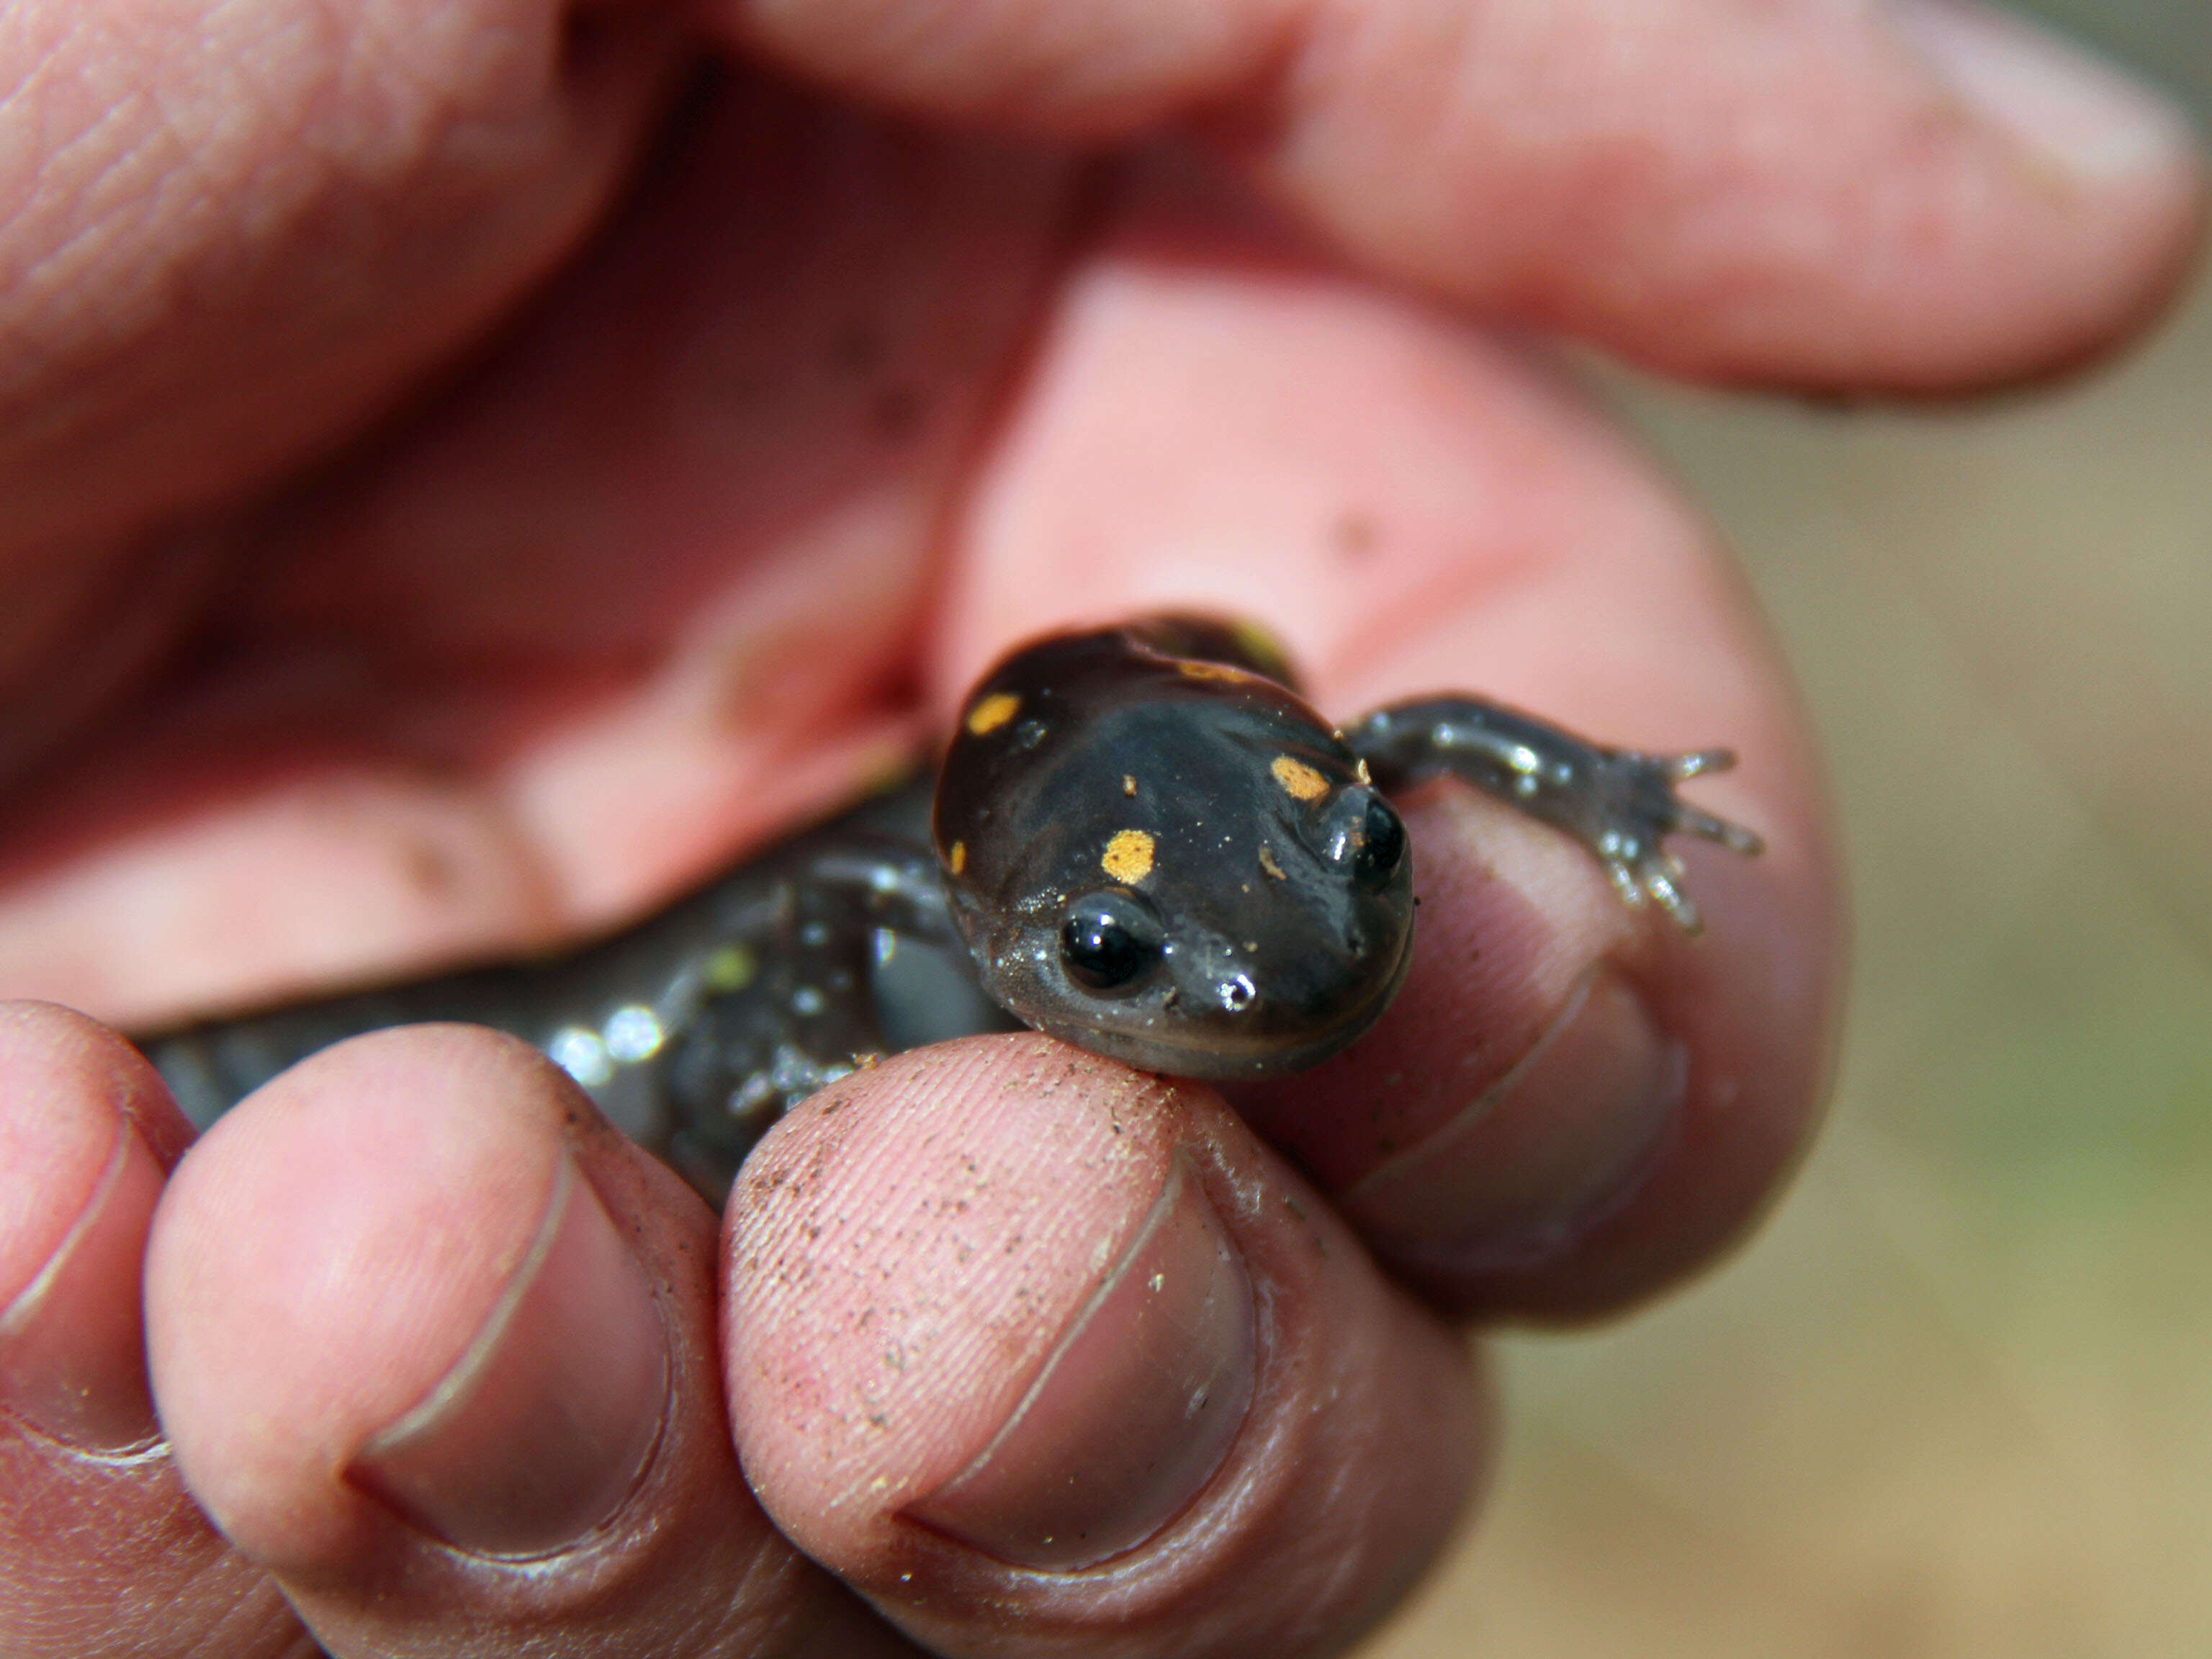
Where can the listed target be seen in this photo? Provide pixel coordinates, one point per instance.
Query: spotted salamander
(1140, 839)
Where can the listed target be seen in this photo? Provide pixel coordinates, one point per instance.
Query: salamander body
(1140, 839)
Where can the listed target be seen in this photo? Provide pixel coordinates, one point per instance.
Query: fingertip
(61, 1076)
(2109, 175)
(59, 1067)
(1014, 1330)
(1573, 1105)
(2057, 99)
(1922, 200)
(538, 1431)
(78, 1185)
(1164, 1350)
(1517, 1080)
(100, 1549)
(327, 1252)
(1756, 1007)
(955, 1205)
(436, 1347)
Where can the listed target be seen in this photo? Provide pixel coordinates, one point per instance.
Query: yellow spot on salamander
(1191, 669)
(730, 969)
(992, 712)
(1128, 784)
(1263, 648)
(1365, 776)
(956, 860)
(1267, 862)
(1299, 780)
(1128, 857)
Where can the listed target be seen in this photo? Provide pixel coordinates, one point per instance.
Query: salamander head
(1185, 871)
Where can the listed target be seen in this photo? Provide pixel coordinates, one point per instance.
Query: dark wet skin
(1157, 853)
(1146, 843)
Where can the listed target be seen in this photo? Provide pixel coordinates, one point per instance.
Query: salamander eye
(1364, 838)
(1110, 940)
(1382, 847)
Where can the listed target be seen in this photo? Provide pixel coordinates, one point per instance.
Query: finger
(1413, 512)
(240, 230)
(1043, 1354)
(235, 236)
(638, 593)
(1571, 1105)
(1919, 196)
(100, 1549)
(436, 1348)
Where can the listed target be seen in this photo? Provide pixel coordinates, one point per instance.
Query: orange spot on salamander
(992, 712)
(1191, 669)
(1299, 780)
(1128, 857)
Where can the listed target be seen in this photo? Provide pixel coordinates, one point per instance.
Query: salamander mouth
(1213, 1048)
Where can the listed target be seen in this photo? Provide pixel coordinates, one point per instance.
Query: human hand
(828, 413)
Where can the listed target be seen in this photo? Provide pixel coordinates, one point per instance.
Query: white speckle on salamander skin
(634, 1034)
(582, 1056)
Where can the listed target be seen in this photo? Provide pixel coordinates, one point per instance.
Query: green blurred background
(1956, 1398)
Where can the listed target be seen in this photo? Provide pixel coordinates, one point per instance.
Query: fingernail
(73, 1342)
(540, 1430)
(2055, 97)
(1133, 1411)
(1532, 1161)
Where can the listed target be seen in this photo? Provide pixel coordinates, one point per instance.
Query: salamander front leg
(1617, 802)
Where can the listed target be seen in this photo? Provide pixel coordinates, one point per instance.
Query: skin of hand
(473, 468)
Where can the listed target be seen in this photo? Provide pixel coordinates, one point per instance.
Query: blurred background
(1956, 1398)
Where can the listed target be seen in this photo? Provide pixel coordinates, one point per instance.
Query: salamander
(1140, 839)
